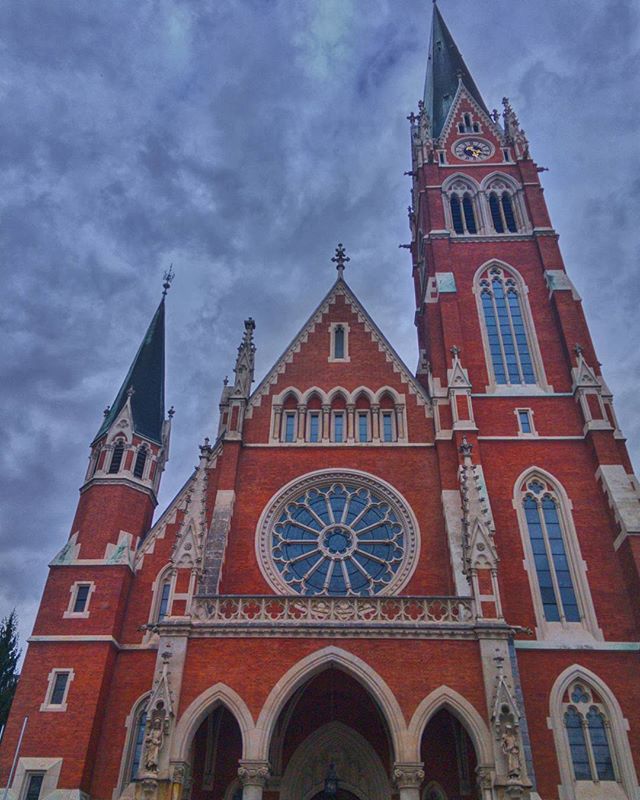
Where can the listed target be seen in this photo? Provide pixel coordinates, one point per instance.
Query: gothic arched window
(137, 741)
(509, 346)
(588, 735)
(338, 342)
(507, 210)
(552, 566)
(134, 745)
(141, 460)
(116, 457)
(462, 201)
(557, 572)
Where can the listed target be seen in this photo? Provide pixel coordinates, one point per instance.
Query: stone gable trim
(463, 93)
(377, 337)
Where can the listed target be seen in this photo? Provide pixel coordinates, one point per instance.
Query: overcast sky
(240, 140)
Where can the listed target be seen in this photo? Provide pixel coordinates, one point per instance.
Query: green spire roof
(444, 64)
(146, 378)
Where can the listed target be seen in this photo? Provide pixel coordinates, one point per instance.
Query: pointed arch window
(134, 745)
(462, 200)
(165, 596)
(138, 741)
(116, 457)
(557, 573)
(502, 213)
(338, 342)
(588, 735)
(508, 339)
(552, 566)
(141, 461)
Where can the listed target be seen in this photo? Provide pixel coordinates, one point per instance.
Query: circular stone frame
(294, 488)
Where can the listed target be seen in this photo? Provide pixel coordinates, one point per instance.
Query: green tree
(9, 656)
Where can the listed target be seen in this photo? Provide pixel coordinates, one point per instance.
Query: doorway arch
(359, 769)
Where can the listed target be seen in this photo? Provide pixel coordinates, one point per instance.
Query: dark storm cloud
(241, 141)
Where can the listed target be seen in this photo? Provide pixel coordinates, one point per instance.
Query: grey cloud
(241, 140)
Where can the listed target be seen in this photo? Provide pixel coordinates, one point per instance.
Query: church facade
(377, 583)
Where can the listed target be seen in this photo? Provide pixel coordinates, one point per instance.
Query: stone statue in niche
(511, 749)
(154, 739)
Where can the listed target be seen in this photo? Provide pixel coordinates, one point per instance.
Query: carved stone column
(253, 777)
(408, 778)
(302, 422)
(399, 409)
(326, 422)
(351, 412)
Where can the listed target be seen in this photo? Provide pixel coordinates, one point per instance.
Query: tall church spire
(144, 385)
(445, 69)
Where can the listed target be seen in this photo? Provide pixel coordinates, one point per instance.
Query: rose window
(340, 534)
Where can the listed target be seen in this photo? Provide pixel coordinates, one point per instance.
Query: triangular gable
(340, 287)
(463, 94)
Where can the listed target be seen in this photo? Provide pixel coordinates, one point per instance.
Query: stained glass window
(550, 556)
(506, 332)
(338, 538)
(588, 736)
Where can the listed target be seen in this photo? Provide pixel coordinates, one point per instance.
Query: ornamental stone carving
(408, 776)
(253, 773)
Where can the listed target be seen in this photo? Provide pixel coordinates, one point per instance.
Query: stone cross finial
(130, 391)
(578, 349)
(171, 412)
(340, 259)
(455, 351)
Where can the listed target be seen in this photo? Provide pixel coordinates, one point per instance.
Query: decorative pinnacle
(226, 380)
(130, 391)
(106, 411)
(167, 278)
(578, 349)
(455, 351)
(465, 447)
(340, 259)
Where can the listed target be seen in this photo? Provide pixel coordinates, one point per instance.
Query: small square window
(524, 420)
(59, 687)
(81, 598)
(33, 785)
(289, 427)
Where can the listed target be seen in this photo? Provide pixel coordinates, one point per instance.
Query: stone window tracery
(557, 573)
(337, 534)
(116, 457)
(588, 735)
(506, 329)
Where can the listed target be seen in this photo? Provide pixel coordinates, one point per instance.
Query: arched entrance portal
(331, 720)
(449, 759)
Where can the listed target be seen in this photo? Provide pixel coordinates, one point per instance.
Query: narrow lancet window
(496, 216)
(141, 460)
(553, 571)
(469, 216)
(507, 208)
(506, 332)
(338, 342)
(456, 214)
(116, 457)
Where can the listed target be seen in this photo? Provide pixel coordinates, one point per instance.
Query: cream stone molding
(310, 666)
(619, 725)
(193, 716)
(299, 485)
(47, 705)
(357, 764)
(51, 768)
(445, 698)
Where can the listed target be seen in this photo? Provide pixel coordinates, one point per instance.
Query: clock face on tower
(473, 149)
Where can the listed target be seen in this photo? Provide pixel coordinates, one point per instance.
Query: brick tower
(376, 583)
